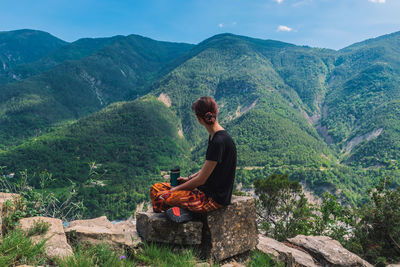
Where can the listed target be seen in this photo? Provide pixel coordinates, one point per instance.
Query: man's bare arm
(200, 178)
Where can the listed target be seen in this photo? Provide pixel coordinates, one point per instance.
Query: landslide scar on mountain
(165, 99)
(239, 111)
(358, 139)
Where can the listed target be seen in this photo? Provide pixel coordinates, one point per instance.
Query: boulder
(157, 227)
(230, 230)
(328, 252)
(222, 233)
(56, 245)
(3, 198)
(101, 230)
(291, 256)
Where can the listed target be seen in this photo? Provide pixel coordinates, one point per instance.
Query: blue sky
(319, 23)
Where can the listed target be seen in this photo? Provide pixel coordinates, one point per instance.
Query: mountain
(254, 83)
(71, 51)
(123, 69)
(127, 142)
(362, 103)
(328, 118)
(24, 46)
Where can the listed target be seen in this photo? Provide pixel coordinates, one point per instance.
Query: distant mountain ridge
(329, 118)
(78, 79)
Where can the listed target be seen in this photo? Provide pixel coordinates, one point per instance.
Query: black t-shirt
(219, 185)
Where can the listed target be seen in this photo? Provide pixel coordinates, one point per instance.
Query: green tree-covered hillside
(328, 118)
(122, 70)
(130, 142)
(24, 46)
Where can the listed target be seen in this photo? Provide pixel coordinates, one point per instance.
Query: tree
(378, 232)
(282, 207)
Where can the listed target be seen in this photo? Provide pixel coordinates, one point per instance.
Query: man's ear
(200, 120)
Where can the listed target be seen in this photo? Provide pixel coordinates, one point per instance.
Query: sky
(318, 23)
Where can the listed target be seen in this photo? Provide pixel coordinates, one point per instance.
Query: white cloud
(279, 1)
(220, 25)
(234, 23)
(283, 28)
(378, 1)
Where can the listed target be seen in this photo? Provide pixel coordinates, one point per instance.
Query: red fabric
(176, 211)
(196, 201)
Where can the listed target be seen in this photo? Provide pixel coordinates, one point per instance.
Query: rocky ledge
(221, 234)
(310, 251)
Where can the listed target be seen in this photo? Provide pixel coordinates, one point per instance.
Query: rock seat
(156, 227)
(223, 233)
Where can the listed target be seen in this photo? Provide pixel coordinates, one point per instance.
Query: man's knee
(154, 189)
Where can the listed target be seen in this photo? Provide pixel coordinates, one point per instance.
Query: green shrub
(261, 259)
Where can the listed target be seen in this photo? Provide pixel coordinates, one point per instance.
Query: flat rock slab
(291, 256)
(57, 245)
(230, 230)
(101, 230)
(157, 227)
(328, 251)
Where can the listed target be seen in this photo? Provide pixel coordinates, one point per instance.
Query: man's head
(206, 109)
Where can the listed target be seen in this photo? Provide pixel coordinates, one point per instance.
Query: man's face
(200, 120)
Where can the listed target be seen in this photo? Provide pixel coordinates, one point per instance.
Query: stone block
(101, 230)
(222, 234)
(56, 245)
(230, 230)
(157, 227)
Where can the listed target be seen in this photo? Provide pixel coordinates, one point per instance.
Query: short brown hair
(206, 108)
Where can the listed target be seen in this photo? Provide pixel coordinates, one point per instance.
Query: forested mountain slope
(121, 70)
(129, 142)
(260, 101)
(24, 46)
(361, 108)
(328, 118)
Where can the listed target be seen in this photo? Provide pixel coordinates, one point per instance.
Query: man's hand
(198, 178)
(182, 180)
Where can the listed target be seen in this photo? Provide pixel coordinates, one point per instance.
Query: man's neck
(212, 129)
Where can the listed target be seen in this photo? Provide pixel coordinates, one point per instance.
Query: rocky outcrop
(310, 251)
(101, 230)
(327, 251)
(56, 245)
(157, 228)
(291, 256)
(223, 233)
(230, 230)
